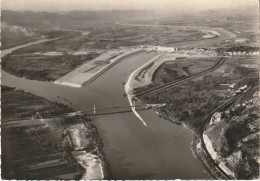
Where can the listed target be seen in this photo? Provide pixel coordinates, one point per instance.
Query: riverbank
(120, 132)
(10, 50)
(189, 103)
(235, 148)
(130, 85)
(91, 70)
(139, 78)
(203, 40)
(43, 66)
(195, 146)
(46, 140)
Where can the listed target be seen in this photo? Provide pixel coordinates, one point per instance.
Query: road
(116, 111)
(174, 83)
(208, 118)
(124, 124)
(203, 128)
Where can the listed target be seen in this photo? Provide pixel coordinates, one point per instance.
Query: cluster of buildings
(163, 49)
(242, 53)
(241, 89)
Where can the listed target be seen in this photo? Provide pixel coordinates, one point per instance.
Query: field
(77, 40)
(235, 137)
(16, 35)
(192, 100)
(37, 141)
(44, 67)
(36, 62)
(180, 68)
(44, 140)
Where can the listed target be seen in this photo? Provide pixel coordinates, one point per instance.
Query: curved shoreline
(225, 35)
(129, 92)
(67, 79)
(200, 149)
(58, 118)
(10, 50)
(131, 96)
(105, 167)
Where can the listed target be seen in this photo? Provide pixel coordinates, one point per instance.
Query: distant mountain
(246, 12)
(31, 19)
(112, 14)
(45, 20)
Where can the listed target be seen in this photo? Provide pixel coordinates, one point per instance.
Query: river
(10, 50)
(160, 151)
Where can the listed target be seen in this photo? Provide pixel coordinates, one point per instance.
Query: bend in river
(160, 151)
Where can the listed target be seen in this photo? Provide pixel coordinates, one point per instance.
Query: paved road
(208, 118)
(205, 124)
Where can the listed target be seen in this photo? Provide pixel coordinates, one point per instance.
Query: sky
(155, 5)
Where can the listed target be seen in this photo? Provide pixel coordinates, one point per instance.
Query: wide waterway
(160, 151)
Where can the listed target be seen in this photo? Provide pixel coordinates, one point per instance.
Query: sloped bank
(44, 140)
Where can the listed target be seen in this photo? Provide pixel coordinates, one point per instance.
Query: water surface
(160, 151)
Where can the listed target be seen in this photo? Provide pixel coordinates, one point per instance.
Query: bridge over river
(159, 151)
